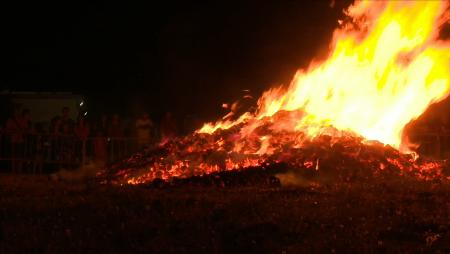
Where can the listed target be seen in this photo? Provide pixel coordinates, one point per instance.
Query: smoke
(308, 178)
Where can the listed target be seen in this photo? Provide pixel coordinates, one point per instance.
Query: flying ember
(385, 66)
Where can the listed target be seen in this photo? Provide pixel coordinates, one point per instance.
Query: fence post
(111, 156)
(83, 152)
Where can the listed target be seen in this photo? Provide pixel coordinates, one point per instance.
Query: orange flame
(385, 67)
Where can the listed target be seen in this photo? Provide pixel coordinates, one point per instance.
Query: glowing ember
(385, 67)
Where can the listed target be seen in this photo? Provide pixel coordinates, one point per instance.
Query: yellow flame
(385, 67)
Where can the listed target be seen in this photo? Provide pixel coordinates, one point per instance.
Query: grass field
(42, 216)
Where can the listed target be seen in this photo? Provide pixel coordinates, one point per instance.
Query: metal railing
(433, 144)
(34, 152)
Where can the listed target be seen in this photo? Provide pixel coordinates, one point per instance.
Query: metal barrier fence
(31, 153)
(433, 144)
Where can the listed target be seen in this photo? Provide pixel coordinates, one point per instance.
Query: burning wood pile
(386, 65)
(340, 155)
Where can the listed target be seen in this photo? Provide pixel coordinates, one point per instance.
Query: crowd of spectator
(66, 141)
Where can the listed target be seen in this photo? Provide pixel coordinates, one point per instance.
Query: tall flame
(385, 67)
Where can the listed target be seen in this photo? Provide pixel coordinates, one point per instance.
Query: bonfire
(386, 65)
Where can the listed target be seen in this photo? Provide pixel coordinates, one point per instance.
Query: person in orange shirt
(17, 127)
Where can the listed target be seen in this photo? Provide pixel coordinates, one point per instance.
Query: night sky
(179, 56)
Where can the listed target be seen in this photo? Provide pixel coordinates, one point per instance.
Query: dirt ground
(38, 215)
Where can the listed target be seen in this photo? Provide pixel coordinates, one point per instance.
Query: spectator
(63, 142)
(128, 125)
(144, 129)
(117, 143)
(115, 129)
(100, 147)
(66, 120)
(29, 140)
(62, 125)
(445, 122)
(168, 128)
(15, 128)
(39, 149)
(66, 129)
(81, 131)
(55, 125)
(26, 124)
(67, 144)
(102, 125)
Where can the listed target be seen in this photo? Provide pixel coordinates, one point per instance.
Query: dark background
(179, 56)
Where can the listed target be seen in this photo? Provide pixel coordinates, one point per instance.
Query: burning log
(348, 158)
